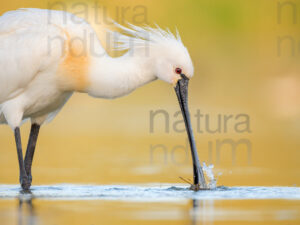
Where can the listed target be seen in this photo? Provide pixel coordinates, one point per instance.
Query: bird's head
(170, 59)
(173, 61)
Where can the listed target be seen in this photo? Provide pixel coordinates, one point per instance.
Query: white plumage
(46, 55)
(32, 47)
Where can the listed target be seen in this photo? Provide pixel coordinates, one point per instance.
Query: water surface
(162, 192)
(148, 204)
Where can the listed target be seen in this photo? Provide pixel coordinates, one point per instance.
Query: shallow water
(148, 204)
(162, 192)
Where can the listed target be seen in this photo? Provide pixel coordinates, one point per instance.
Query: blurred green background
(246, 57)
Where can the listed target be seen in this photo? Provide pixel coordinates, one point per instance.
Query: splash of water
(208, 170)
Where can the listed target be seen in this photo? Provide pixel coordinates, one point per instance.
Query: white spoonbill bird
(46, 55)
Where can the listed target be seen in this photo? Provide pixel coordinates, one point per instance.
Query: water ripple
(148, 193)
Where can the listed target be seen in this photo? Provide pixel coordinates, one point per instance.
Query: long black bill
(182, 95)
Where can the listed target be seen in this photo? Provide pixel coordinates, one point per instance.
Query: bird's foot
(198, 187)
(25, 183)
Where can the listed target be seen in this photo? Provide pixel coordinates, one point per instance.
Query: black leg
(34, 132)
(23, 177)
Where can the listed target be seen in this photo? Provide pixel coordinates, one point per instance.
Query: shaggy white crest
(162, 45)
(136, 36)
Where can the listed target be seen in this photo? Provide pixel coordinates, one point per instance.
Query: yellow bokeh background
(235, 47)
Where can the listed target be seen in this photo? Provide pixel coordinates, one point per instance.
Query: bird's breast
(74, 67)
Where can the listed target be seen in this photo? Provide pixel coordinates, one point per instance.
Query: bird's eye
(178, 70)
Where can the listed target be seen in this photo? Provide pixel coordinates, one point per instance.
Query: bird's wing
(28, 45)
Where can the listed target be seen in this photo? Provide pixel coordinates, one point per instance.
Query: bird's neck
(116, 77)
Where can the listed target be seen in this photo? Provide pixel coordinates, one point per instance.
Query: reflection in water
(32, 210)
(194, 212)
(26, 215)
(201, 212)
